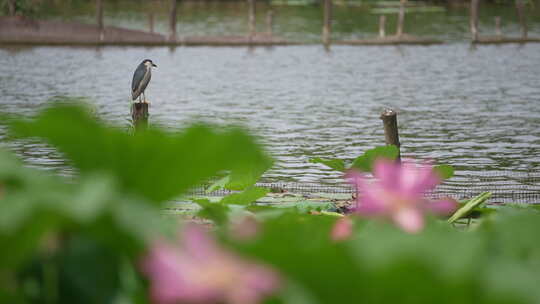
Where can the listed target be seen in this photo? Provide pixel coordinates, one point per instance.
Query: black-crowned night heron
(141, 78)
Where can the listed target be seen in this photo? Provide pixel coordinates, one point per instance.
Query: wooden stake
(498, 31)
(99, 17)
(11, 7)
(474, 19)
(151, 22)
(327, 22)
(382, 26)
(151, 15)
(401, 18)
(172, 21)
(139, 115)
(391, 135)
(269, 22)
(251, 18)
(520, 9)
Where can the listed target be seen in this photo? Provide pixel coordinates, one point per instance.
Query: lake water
(477, 109)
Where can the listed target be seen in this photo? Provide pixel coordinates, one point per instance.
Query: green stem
(469, 206)
(50, 282)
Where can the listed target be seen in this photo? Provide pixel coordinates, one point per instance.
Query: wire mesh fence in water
(506, 187)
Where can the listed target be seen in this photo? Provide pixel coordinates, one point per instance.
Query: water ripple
(477, 110)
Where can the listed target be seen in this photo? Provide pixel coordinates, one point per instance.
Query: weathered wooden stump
(401, 18)
(498, 31)
(474, 19)
(172, 21)
(152, 7)
(327, 22)
(11, 7)
(382, 26)
(139, 115)
(270, 22)
(151, 22)
(391, 134)
(252, 26)
(522, 18)
(99, 19)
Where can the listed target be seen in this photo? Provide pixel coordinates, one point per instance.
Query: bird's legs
(140, 99)
(145, 101)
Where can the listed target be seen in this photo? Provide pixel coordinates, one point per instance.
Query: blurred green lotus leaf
(336, 164)
(365, 161)
(154, 164)
(444, 171)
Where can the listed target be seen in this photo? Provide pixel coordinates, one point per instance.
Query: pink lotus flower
(342, 229)
(198, 270)
(399, 193)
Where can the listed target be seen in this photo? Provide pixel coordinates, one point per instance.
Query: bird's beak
(154, 65)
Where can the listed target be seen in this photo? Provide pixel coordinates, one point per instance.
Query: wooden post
(327, 22)
(151, 21)
(474, 19)
(139, 115)
(520, 9)
(11, 7)
(391, 135)
(251, 18)
(269, 22)
(382, 26)
(151, 15)
(99, 16)
(401, 18)
(172, 21)
(498, 31)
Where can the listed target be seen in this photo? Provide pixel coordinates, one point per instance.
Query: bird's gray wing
(146, 80)
(138, 77)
